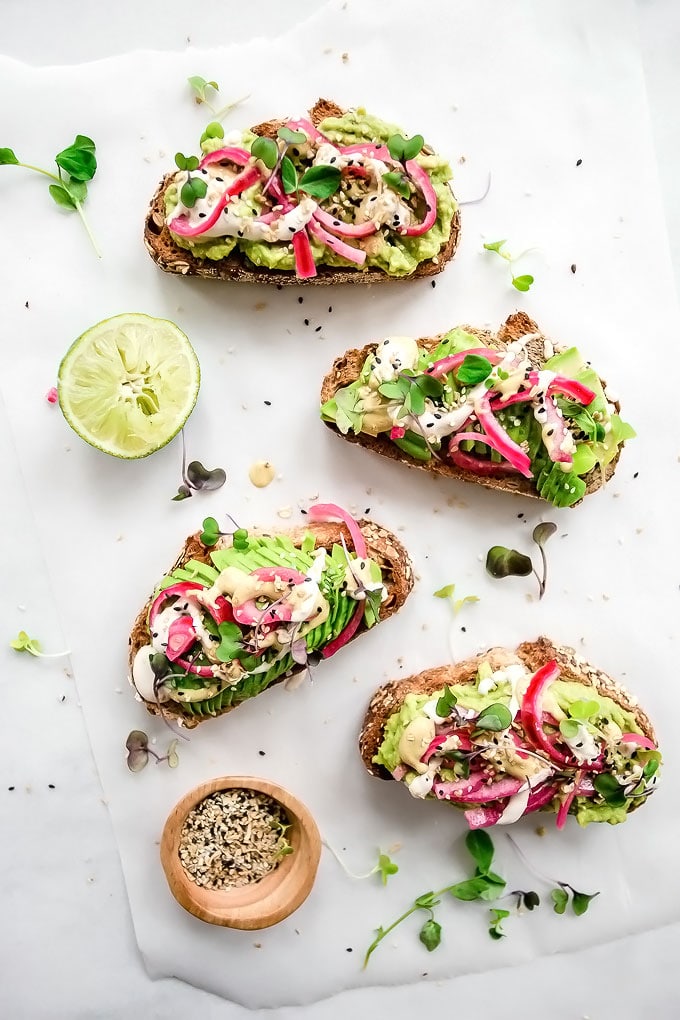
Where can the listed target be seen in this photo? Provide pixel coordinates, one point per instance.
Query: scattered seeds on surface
(233, 838)
(578, 162)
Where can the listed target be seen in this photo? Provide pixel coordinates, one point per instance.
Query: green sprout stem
(88, 230)
(225, 110)
(79, 209)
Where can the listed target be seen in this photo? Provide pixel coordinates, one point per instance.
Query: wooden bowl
(259, 904)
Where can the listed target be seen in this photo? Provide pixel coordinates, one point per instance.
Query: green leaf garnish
(446, 703)
(8, 157)
(609, 789)
(471, 889)
(267, 150)
(289, 175)
(320, 181)
(581, 901)
(504, 562)
(211, 532)
(446, 592)
(496, 246)
(474, 369)
(232, 641)
(398, 182)
(480, 848)
(240, 540)
(584, 710)
(61, 196)
(200, 87)
(24, 643)
(569, 728)
(78, 160)
(292, 137)
(494, 717)
(497, 917)
(386, 867)
(430, 934)
(403, 149)
(560, 898)
(522, 282)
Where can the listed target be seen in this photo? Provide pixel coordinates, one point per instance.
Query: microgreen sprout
(560, 892)
(497, 918)
(194, 187)
(402, 149)
(23, 643)
(385, 866)
(138, 749)
(521, 283)
(448, 592)
(76, 165)
(504, 562)
(211, 533)
(203, 92)
(196, 478)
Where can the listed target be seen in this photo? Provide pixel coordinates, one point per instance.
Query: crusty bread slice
(347, 368)
(382, 546)
(171, 258)
(534, 654)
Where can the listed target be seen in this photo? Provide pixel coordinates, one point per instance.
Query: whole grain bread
(388, 699)
(382, 545)
(172, 258)
(347, 368)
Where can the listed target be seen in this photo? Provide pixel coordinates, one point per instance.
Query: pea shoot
(76, 165)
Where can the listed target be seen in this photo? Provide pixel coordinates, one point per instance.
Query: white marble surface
(65, 915)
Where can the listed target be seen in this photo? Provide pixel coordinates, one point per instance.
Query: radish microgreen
(76, 165)
(196, 478)
(398, 182)
(385, 866)
(23, 643)
(211, 533)
(503, 562)
(138, 749)
(521, 283)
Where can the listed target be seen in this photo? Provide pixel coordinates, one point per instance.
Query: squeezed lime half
(128, 384)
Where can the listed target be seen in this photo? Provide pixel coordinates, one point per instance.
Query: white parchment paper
(506, 90)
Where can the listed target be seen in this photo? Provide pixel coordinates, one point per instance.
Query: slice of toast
(171, 258)
(534, 654)
(347, 368)
(382, 545)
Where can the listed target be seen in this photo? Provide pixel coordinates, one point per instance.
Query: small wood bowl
(259, 904)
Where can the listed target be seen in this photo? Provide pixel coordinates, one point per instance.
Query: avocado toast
(508, 733)
(504, 410)
(338, 197)
(256, 608)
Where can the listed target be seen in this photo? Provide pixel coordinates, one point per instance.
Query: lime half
(128, 384)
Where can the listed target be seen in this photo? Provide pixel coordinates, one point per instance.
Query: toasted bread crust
(347, 368)
(534, 654)
(382, 546)
(171, 258)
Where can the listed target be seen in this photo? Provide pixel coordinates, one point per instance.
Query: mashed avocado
(393, 253)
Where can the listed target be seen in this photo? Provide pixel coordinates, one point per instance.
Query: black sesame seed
(51, 786)
(205, 172)
(303, 511)
(578, 162)
(306, 322)
(268, 403)
(279, 286)
(367, 510)
(240, 233)
(318, 329)
(300, 300)
(261, 753)
(636, 474)
(296, 152)
(10, 788)
(520, 516)
(336, 223)
(430, 424)
(349, 949)
(333, 159)
(434, 283)
(573, 267)
(330, 308)
(463, 630)
(201, 215)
